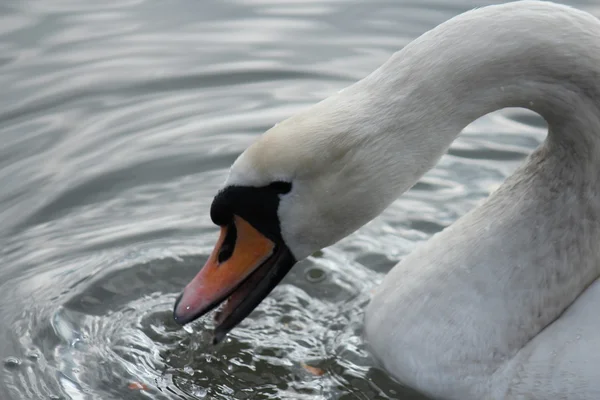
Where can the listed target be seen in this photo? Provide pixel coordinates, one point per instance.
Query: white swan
(500, 305)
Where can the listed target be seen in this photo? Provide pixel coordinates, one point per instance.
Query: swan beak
(249, 273)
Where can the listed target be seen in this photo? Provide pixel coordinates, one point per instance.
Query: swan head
(302, 186)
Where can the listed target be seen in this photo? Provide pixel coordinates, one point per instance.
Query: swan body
(499, 305)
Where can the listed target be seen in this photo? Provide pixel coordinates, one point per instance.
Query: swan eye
(226, 250)
(281, 187)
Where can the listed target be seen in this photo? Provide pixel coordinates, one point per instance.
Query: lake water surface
(118, 122)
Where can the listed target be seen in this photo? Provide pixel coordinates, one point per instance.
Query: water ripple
(119, 120)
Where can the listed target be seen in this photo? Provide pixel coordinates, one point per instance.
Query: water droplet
(188, 329)
(187, 308)
(200, 393)
(230, 368)
(315, 274)
(12, 362)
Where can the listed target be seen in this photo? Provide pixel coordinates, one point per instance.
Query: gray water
(118, 121)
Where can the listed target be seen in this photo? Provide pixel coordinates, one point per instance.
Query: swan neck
(543, 58)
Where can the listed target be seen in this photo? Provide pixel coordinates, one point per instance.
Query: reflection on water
(118, 122)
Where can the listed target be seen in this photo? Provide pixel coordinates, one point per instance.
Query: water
(118, 121)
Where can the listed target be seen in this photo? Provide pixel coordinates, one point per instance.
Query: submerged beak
(244, 275)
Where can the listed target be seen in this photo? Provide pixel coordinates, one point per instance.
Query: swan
(500, 304)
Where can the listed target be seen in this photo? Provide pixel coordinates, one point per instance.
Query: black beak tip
(179, 320)
(216, 339)
(219, 334)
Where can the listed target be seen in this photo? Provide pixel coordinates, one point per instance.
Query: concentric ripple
(117, 339)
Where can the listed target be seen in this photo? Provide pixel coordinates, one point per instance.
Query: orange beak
(218, 280)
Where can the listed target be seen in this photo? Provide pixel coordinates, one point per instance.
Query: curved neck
(500, 275)
(525, 54)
